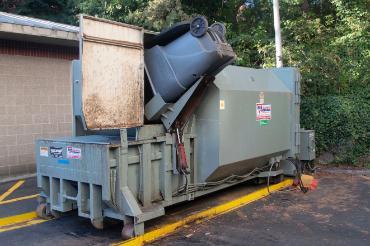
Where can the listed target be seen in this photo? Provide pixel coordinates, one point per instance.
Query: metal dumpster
(223, 130)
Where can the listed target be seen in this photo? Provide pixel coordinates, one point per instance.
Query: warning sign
(73, 153)
(263, 111)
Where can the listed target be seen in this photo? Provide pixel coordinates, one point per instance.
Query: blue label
(63, 161)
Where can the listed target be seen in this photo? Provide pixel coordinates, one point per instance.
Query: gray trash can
(177, 65)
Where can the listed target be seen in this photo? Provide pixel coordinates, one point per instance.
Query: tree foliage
(158, 14)
(63, 11)
(328, 40)
(151, 14)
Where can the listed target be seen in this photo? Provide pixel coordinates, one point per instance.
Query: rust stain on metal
(113, 76)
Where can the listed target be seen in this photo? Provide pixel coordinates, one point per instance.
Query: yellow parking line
(19, 199)
(207, 214)
(11, 189)
(19, 221)
(25, 224)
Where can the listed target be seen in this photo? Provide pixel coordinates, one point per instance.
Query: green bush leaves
(341, 124)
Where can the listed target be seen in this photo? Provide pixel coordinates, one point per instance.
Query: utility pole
(278, 44)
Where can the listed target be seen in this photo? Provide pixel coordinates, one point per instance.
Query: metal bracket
(174, 111)
(157, 108)
(271, 174)
(190, 196)
(129, 203)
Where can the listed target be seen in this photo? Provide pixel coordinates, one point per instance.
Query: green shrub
(341, 124)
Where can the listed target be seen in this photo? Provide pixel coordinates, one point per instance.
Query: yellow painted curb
(19, 199)
(11, 189)
(209, 213)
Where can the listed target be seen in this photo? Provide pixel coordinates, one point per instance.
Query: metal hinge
(297, 89)
(190, 196)
(297, 96)
(297, 133)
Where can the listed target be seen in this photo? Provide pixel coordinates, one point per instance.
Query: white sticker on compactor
(44, 151)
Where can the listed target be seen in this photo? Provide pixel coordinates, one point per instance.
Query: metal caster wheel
(42, 211)
(198, 26)
(97, 224)
(55, 214)
(128, 231)
(219, 27)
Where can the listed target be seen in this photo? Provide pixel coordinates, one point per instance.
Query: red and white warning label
(263, 111)
(73, 153)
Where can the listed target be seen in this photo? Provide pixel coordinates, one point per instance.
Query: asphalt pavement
(336, 213)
